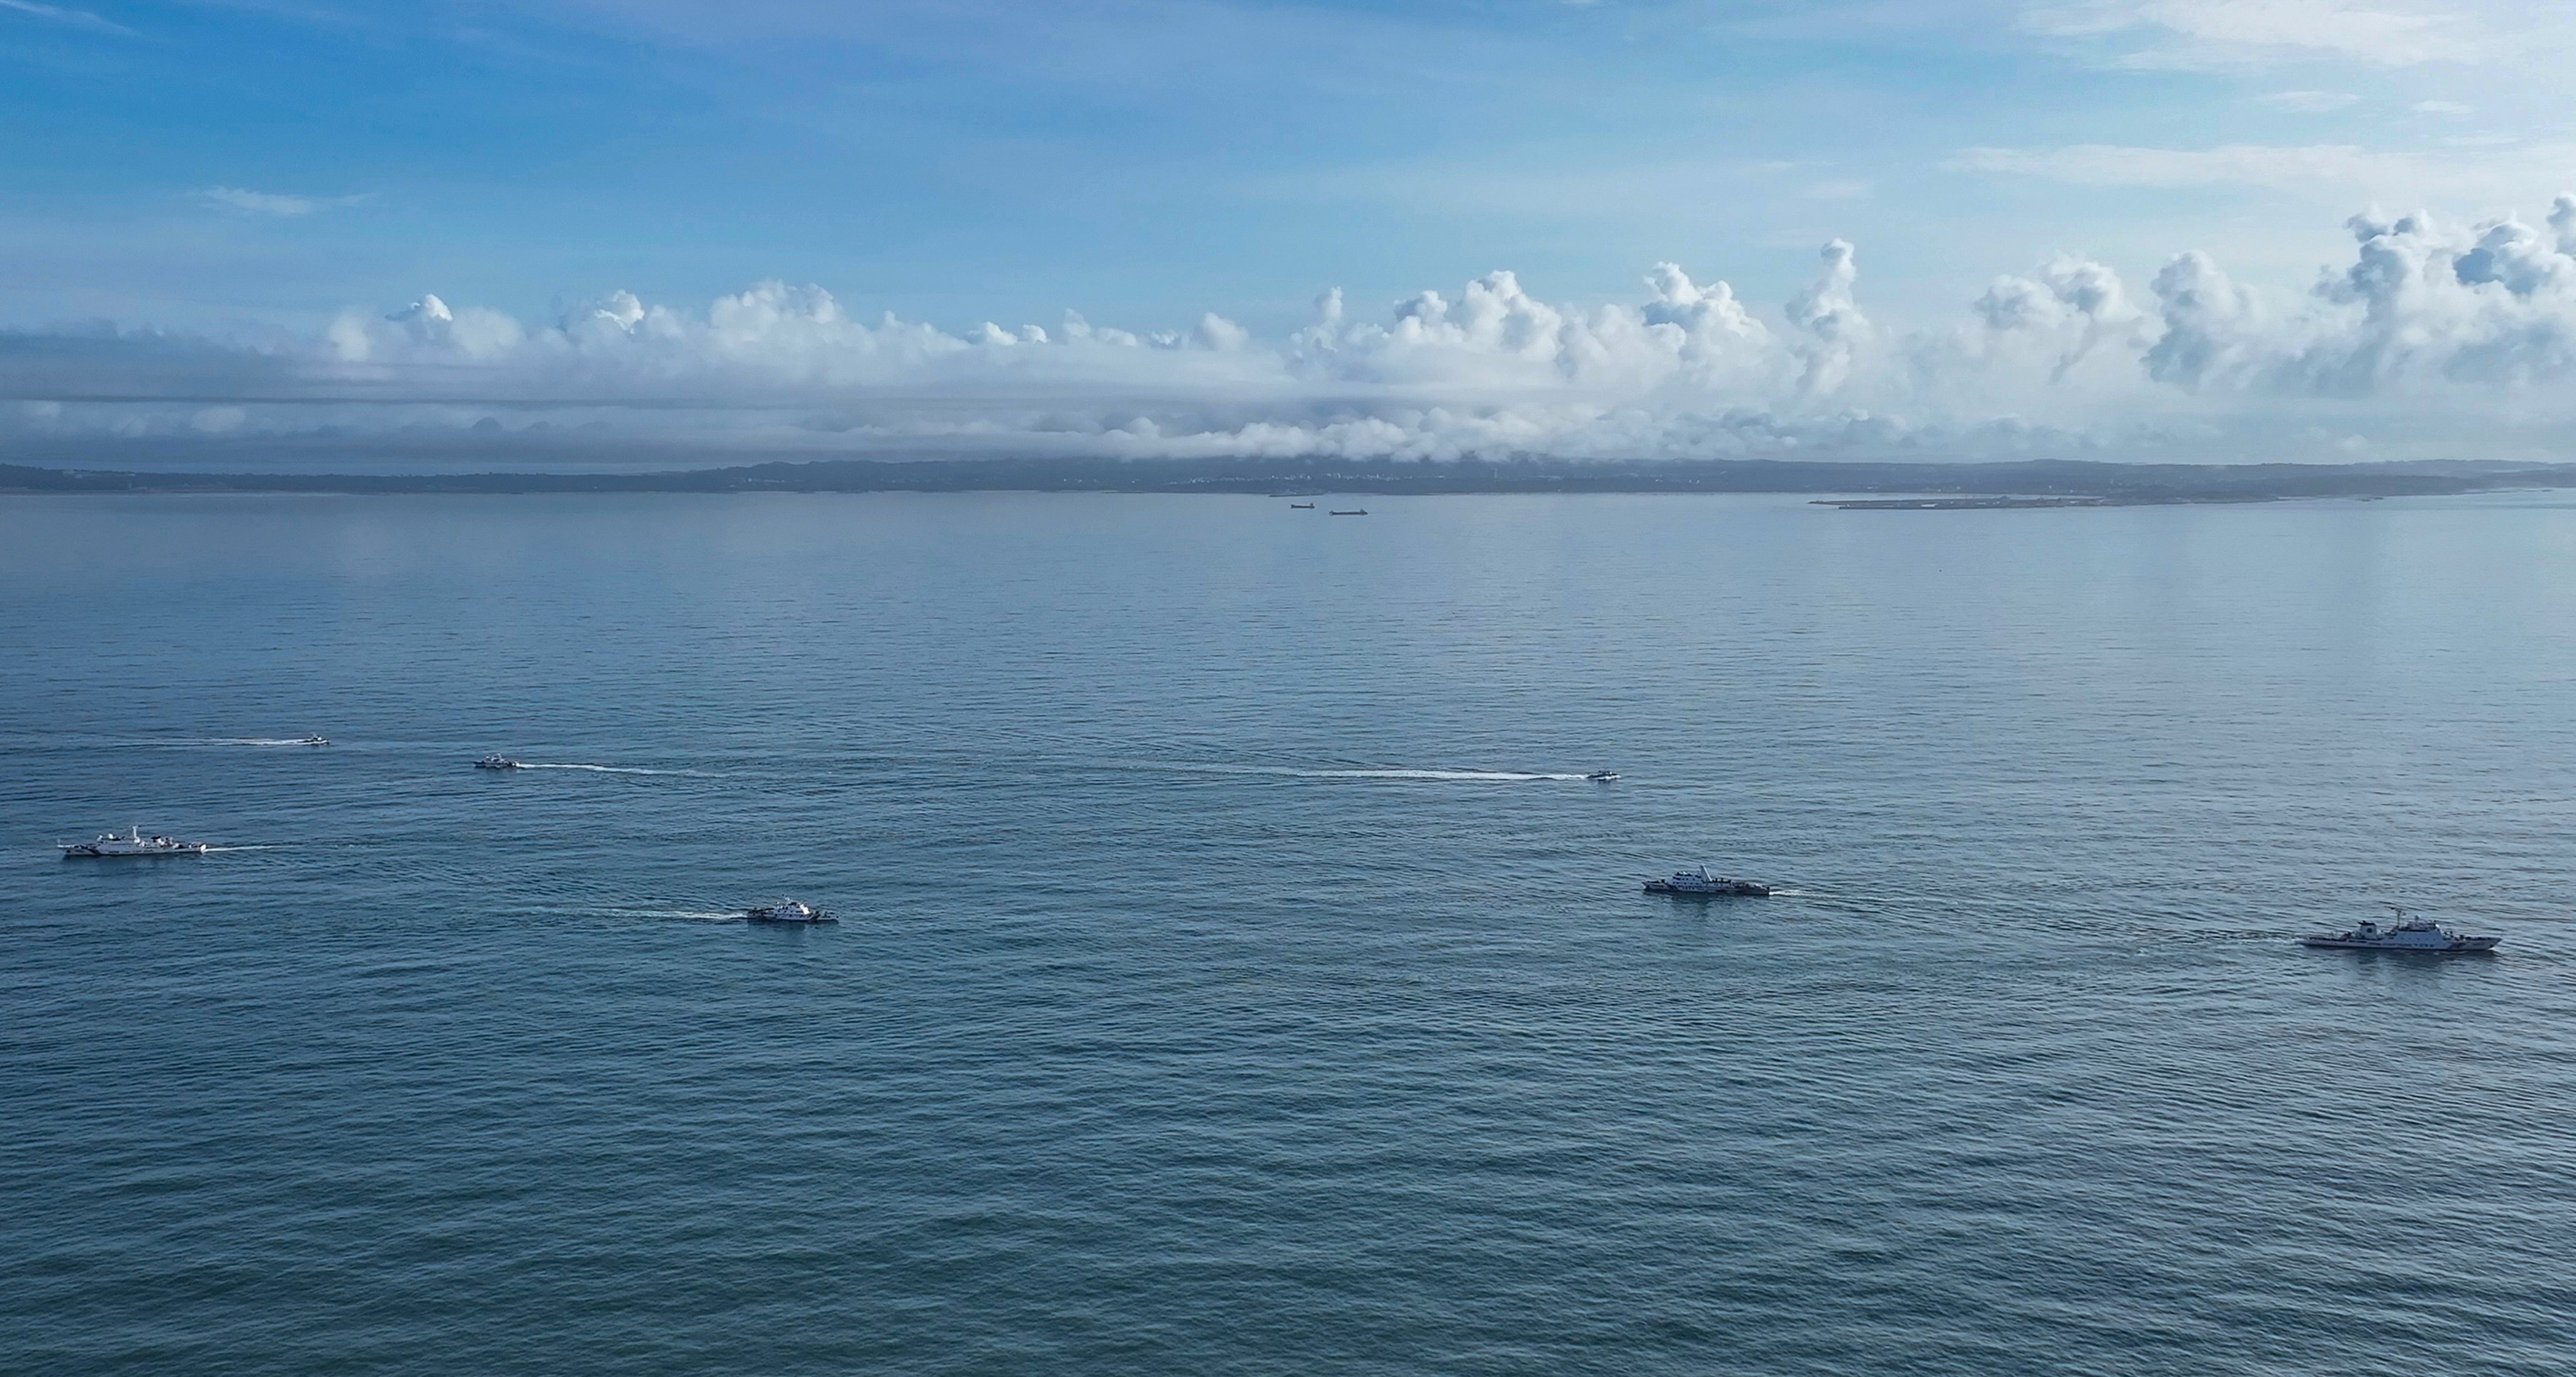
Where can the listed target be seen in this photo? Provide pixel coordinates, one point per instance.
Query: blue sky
(248, 172)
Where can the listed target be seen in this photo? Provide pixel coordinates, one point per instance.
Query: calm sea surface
(1236, 975)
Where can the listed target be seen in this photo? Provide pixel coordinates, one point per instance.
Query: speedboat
(498, 762)
(2401, 934)
(1355, 511)
(313, 741)
(133, 843)
(1602, 776)
(789, 911)
(1301, 506)
(1699, 884)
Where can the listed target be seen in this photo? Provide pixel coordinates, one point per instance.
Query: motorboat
(2401, 933)
(1602, 776)
(313, 741)
(1699, 884)
(1355, 511)
(498, 762)
(133, 843)
(1301, 506)
(789, 911)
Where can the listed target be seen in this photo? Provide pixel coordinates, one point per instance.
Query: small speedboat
(1355, 511)
(313, 741)
(2419, 936)
(789, 911)
(1602, 776)
(1699, 884)
(133, 843)
(1301, 506)
(498, 762)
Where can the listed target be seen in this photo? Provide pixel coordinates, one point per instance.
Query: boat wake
(166, 741)
(1285, 772)
(599, 769)
(688, 915)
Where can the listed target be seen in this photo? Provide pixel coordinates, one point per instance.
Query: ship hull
(2465, 946)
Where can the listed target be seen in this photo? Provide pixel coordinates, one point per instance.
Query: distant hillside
(2122, 483)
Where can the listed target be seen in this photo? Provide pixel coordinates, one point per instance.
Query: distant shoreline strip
(1853, 485)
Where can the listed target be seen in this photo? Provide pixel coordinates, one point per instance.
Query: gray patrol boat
(2401, 933)
(789, 911)
(133, 843)
(1699, 884)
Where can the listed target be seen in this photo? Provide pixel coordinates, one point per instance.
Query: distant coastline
(1923, 486)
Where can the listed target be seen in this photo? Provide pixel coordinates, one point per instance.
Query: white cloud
(79, 19)
(2441, 107)
(2261, 33)
(2102, 164)
(2307, 102)
(2433, 336)
(2478, 173)
(270, 203)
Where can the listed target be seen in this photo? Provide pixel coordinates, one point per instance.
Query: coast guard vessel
(1699, 883)
(789, 911)
(2401, 934)
(133, 843)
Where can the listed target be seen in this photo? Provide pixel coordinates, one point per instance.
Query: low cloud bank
(2435, 340)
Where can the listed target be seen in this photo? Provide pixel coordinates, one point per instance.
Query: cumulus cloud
(2427, 337)
(2423, 309)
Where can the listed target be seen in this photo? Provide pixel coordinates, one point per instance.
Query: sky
(557, 232)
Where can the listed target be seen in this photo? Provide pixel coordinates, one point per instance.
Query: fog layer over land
(2434, 339)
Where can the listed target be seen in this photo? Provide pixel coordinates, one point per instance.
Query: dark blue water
(1232, 980)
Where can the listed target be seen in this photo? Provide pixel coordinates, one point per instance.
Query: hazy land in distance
(2039, 482)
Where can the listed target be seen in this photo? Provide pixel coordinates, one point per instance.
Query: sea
(1236, 973)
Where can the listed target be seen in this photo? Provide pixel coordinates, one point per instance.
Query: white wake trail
(1287, 772)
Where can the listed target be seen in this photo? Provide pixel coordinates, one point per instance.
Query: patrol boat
(789, 911)
(1700, 884)
(133, 843)
(2401, 934)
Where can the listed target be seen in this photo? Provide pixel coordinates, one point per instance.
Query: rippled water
(1236, 976)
